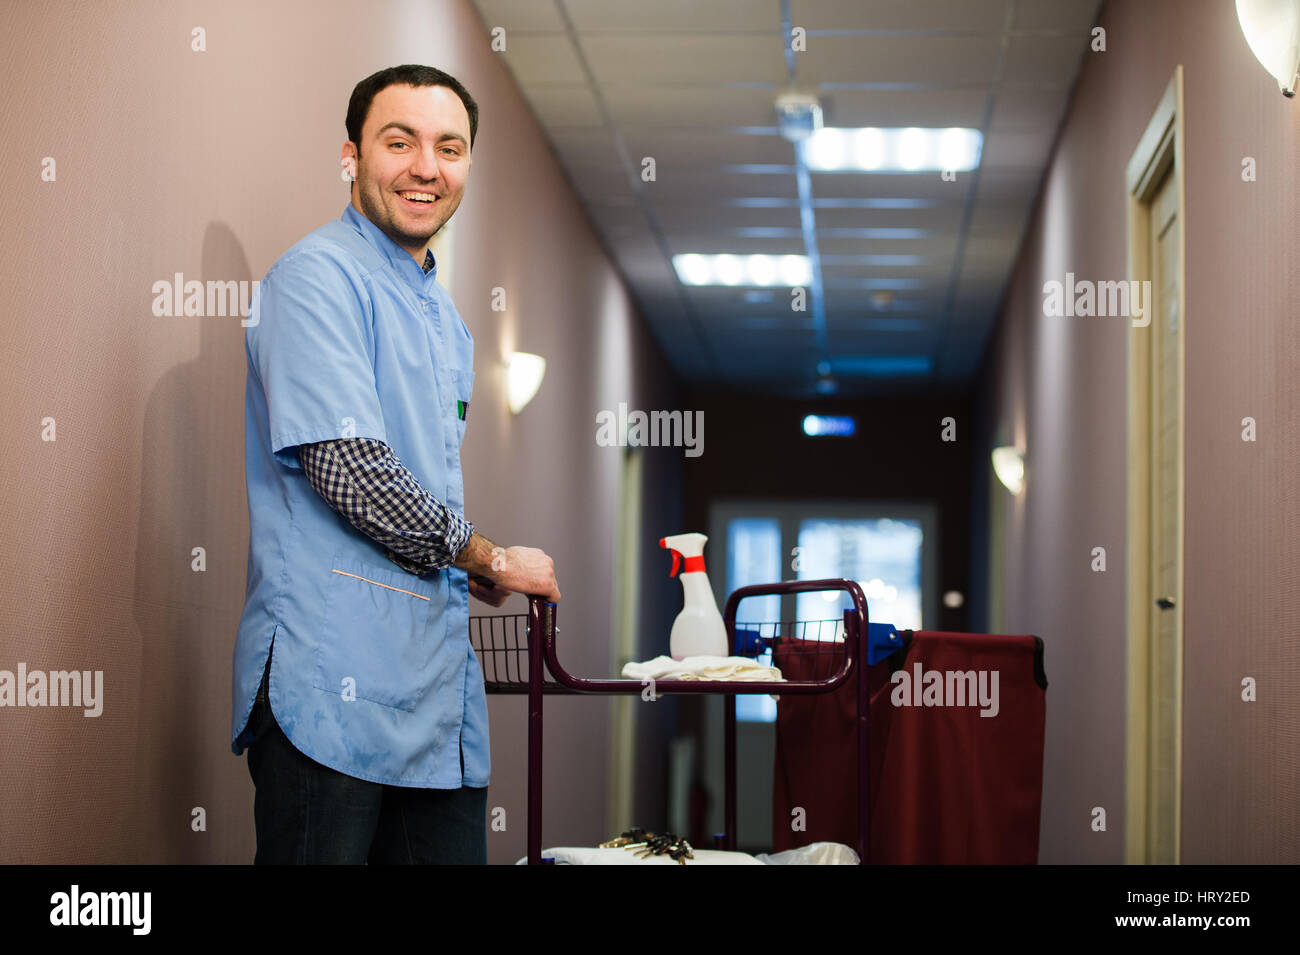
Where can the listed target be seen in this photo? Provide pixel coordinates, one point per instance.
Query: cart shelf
(518, 654)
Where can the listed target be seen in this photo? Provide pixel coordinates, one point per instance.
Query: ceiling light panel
(906, 149)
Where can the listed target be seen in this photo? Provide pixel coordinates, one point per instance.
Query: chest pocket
(463, 388)
(377, 641)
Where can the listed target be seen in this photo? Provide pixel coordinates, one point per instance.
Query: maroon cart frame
(543, 657)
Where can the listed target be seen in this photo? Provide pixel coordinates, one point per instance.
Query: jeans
(308, 813)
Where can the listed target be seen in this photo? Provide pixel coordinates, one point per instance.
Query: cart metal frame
(543, 658)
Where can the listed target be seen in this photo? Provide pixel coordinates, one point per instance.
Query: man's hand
(525, 570)
(486, 591)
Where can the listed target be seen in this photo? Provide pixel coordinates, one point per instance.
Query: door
(1164, 606)
(1153, 771)
(890, 549)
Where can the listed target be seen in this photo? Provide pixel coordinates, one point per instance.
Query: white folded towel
(702, 668)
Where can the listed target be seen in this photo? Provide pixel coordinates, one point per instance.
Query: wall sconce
(1009, 466)
(524, 372)
(1272, 28)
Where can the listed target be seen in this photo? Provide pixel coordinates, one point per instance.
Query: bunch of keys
(652, 844)
(628, 836)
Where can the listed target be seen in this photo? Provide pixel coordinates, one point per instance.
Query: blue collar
(398, 257)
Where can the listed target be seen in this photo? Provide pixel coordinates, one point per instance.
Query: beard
(385, 209)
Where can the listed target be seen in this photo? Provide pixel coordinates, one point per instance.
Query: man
(356, 690)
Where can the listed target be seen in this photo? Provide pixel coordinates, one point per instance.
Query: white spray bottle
(698, 630)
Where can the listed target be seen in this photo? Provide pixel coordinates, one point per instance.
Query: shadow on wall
(188, 602)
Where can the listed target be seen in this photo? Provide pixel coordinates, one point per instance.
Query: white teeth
(418, 196)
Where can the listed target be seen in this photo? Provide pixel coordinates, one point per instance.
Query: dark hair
(363, 94)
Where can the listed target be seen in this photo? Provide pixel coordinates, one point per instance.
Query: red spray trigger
(677, 557)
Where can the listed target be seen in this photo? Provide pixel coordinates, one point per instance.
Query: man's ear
(349, 164)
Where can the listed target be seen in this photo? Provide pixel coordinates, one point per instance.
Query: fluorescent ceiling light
(760, 269)
(764, 271)
(896, 325)
(827, 149)
(728, 269)
(869, 148)
(694, 269)
(914, 149)
(795, 270)
(882, 366)
(872, 149)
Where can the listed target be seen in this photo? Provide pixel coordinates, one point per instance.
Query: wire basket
(501, 643)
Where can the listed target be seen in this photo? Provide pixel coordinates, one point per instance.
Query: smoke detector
(798, 115)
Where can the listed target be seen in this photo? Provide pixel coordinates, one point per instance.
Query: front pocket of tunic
(376, 636)
(463, 385)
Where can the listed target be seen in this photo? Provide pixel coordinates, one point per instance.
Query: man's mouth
(421, 200)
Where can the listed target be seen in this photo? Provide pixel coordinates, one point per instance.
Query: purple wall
(212, 164)
(1059, 384)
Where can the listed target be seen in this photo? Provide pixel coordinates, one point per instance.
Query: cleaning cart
(519, 654)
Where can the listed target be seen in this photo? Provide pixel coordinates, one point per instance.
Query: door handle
(1165, 603)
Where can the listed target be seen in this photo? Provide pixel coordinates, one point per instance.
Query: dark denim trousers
(308, 813)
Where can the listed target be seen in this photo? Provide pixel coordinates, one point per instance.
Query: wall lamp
(524, 373)
(1009, 466)
(1272, 28)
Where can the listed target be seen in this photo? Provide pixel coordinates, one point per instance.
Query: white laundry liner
(819, 853)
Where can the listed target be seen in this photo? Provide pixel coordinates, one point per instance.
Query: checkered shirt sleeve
(363, 480)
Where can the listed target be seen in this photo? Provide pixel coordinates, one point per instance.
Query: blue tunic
(373, 673)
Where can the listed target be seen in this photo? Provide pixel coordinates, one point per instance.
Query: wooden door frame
(620, 804)
(1161, 145)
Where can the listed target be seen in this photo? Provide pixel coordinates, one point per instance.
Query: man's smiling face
(414, 163)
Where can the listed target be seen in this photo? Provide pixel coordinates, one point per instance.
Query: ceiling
(912, 267)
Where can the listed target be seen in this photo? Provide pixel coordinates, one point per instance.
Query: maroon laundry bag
(948, 786)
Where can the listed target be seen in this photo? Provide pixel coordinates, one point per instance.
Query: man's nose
(425, 165)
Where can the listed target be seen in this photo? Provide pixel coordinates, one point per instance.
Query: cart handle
(796, 587)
